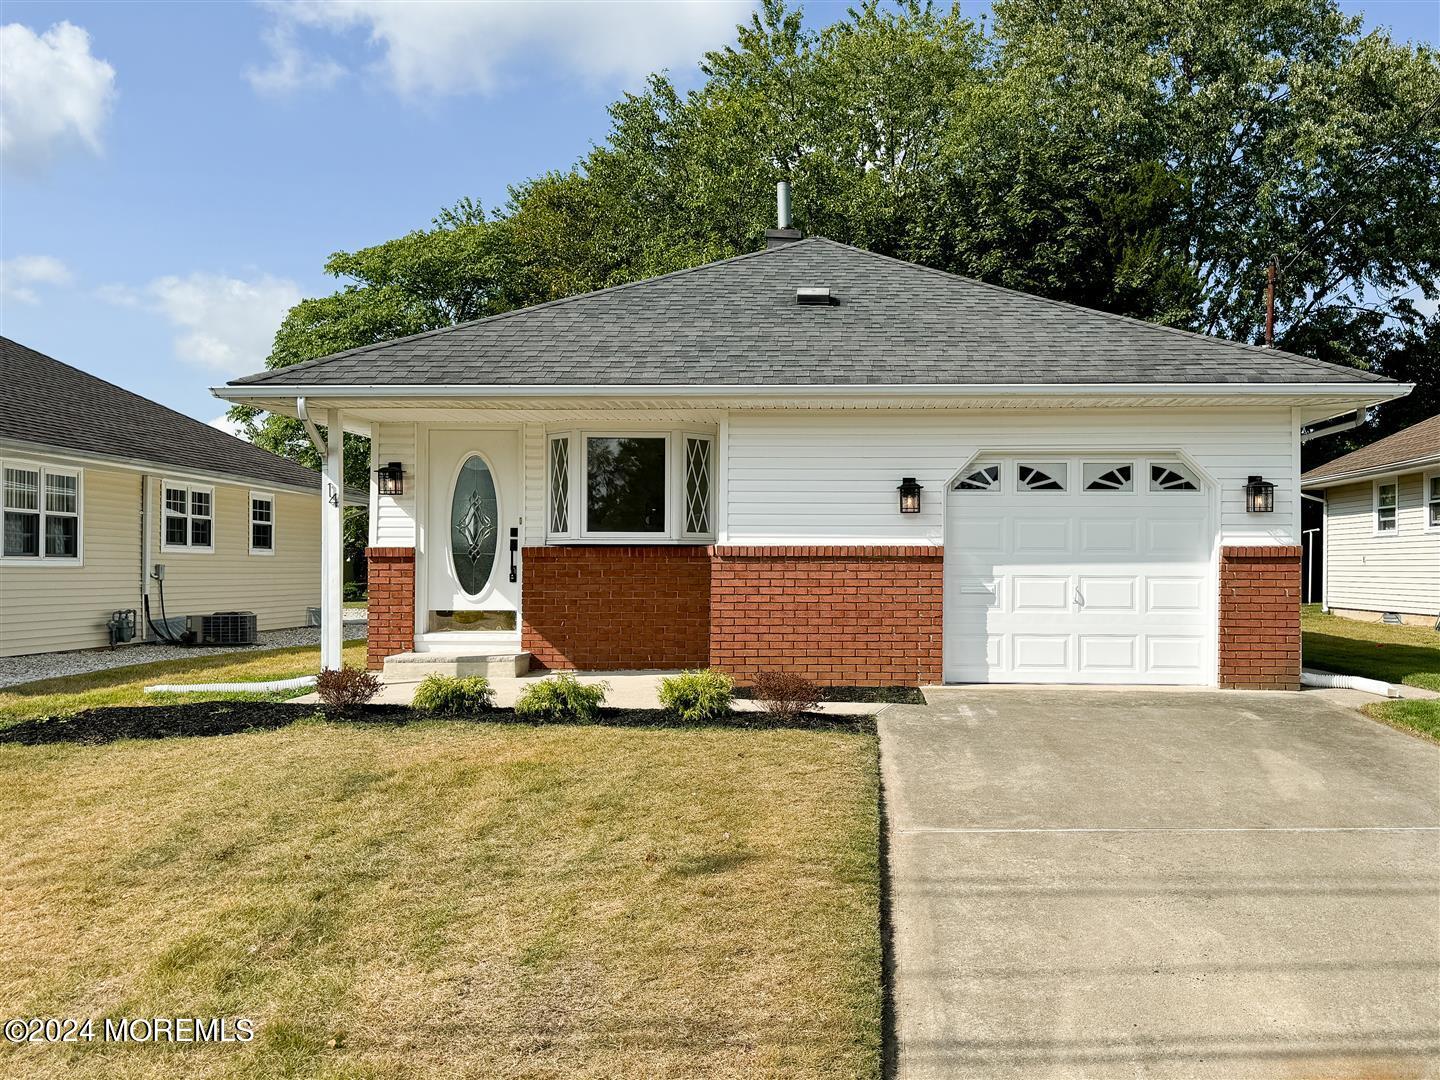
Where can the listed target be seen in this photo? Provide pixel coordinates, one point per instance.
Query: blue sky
(175, 174)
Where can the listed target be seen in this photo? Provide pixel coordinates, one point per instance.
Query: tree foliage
(1150, 157)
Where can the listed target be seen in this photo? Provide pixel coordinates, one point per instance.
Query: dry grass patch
(126, 685)
(451, 899)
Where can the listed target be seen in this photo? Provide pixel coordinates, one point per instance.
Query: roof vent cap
(808, 294)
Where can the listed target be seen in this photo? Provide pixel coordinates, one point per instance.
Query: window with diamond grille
(699, 453)
(560, 486)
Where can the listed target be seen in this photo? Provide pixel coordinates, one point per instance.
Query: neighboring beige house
(1382, 527)
(100, 485)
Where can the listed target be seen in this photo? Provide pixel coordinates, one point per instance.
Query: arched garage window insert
(1172, 476)
(645, 486)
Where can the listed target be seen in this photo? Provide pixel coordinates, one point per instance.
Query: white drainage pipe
(1328, 681)
(232, 687)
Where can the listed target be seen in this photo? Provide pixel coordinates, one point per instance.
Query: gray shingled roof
(54, 404)
(1419, 443)
(736, 322)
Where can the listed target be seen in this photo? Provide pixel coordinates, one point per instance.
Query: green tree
(1150, 157)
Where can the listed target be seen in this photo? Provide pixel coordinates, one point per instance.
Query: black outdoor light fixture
(1259, 495)
(909, 495)
(391, 479)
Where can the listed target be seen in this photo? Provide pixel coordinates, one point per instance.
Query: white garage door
(1080, 570)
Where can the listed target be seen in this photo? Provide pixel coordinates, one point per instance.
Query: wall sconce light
(1259, 496)
(909, 495)
(391, 479)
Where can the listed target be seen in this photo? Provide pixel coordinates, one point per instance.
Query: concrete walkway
(1094, 884)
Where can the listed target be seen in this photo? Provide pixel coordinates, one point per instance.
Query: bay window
(41, 507)
(643, 485)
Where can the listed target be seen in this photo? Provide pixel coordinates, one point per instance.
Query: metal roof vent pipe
(784, 234)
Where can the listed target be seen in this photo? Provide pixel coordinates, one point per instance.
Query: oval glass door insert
(474, 525)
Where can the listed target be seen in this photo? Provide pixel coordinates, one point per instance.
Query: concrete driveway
(1101, 883)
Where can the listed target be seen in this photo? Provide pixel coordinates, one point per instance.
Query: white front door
(1078, 570)
(472, 588)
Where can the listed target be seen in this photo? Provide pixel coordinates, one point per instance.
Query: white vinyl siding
(277, 587)
(1396, 570)
(64, 604)
(829, 478)
(392, 522)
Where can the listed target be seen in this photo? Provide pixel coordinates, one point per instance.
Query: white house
(1382, 527)
(101, 485)
(820, 459)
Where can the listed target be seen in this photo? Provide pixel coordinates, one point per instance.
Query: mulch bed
(196, 718)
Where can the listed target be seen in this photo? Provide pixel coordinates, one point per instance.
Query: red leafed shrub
(784, 694)
(344, 690)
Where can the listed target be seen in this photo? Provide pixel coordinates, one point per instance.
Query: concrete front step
(404, 667)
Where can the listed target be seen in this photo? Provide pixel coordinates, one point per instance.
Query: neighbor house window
(1432, 501)
(262, 523)
(189, 518)
(625, 484)
(42, 513)
(1386, 503)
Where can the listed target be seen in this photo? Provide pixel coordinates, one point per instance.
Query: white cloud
(291, 68)
(53, 93)
(20, 275)
(224, 324)
(452, 48)
(230, 427)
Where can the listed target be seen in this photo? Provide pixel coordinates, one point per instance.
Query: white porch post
(332, 543)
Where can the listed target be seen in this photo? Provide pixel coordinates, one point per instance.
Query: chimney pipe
(782, 204)
(785, 233)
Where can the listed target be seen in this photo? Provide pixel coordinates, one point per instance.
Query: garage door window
(1044, 476)
(1105, 476)
(1172, 477)
(980, 478)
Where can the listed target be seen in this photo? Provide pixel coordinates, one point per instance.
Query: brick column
(843, 616)
(1260, 618)
(391, 588)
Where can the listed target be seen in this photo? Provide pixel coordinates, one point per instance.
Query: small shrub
(344, 690)
(785, 694)
(697, 697)
(450, 695)
(354, 591)
(561, 699)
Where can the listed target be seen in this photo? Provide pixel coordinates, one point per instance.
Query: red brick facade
(391, 587)
(842, 616)
(598, 608)
(1260, 618)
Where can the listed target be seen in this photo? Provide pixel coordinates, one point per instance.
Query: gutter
(1379, 392)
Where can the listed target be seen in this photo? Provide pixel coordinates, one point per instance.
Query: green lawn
(1422, 717)
(126, 686)
(446, 899)
(1397, 654)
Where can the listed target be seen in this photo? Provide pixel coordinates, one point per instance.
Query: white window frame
(41, 472)
(1430, 499)
(686, 437)
(577, 490)
(261, 496)
(582, 528)
(1375, 486)
(166, 513)
(568, 438)
(1139, 471)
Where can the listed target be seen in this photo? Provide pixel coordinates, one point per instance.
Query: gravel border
(15, 670)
